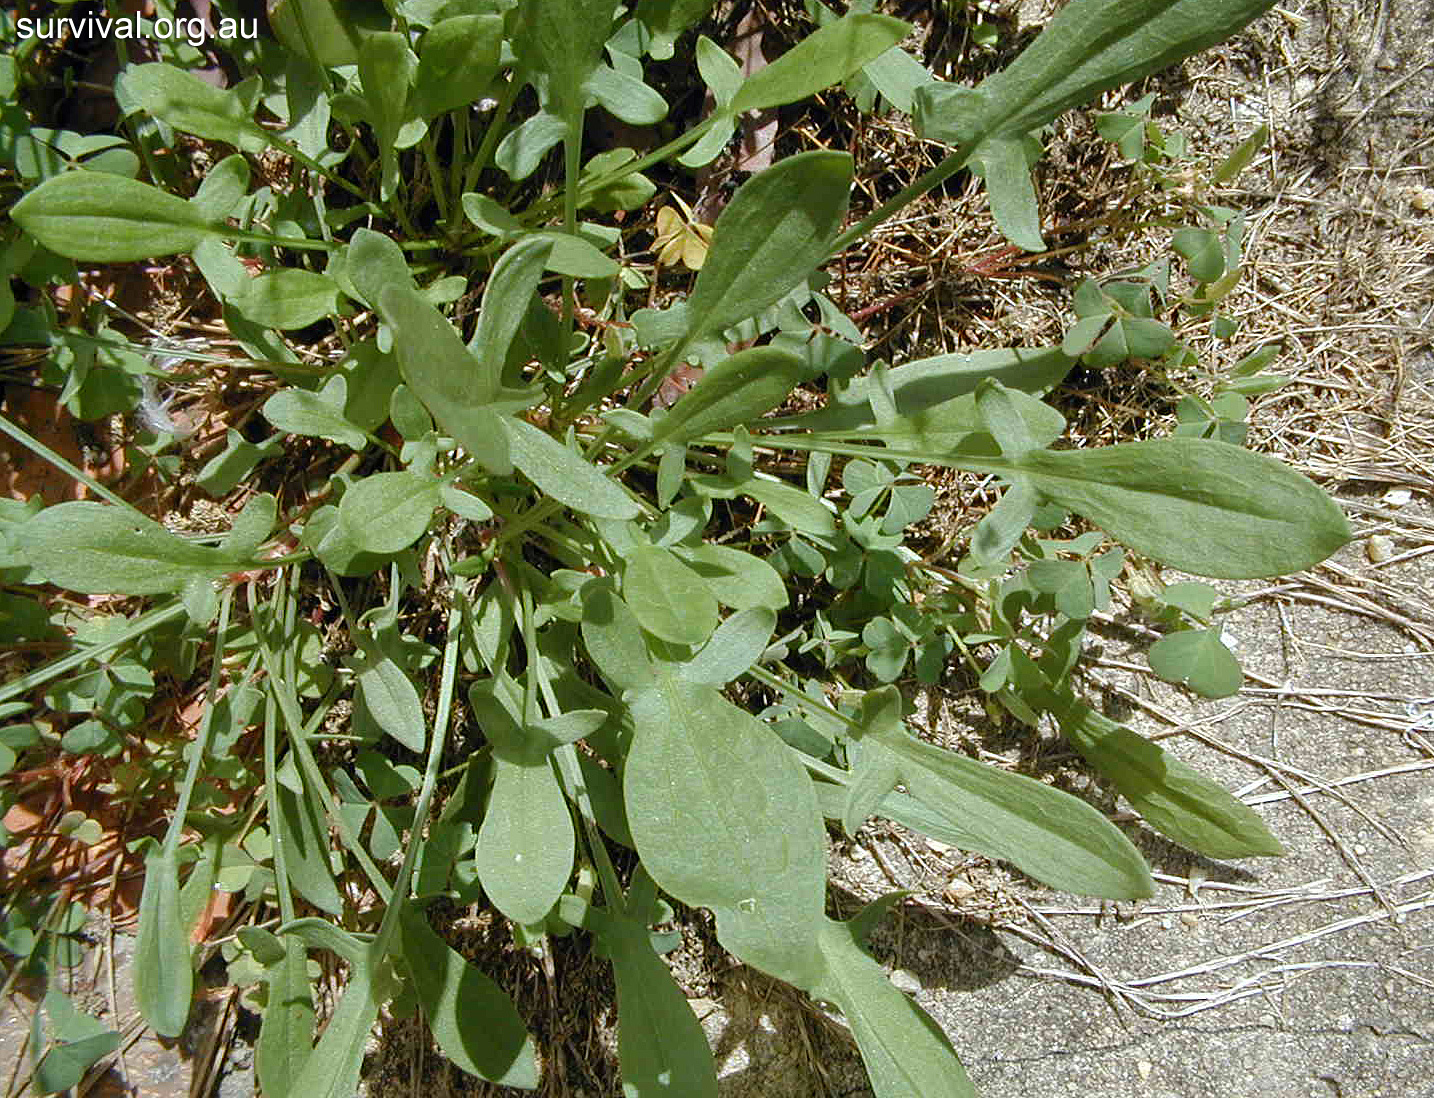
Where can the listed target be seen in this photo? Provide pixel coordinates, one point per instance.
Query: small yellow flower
(680, 239)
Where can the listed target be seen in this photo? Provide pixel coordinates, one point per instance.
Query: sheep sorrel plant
(558, 526)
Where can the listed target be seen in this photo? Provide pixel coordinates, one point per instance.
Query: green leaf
(1203, 252)
(306, 846)
(472, 1019)
(575, 257)
(1089, 47)
(1240, 159)
(737, 579)
(450, 382)
(725, 817)
(390, 696)
(613, 639)
(95, 548)
(564, 474)
(1047, 834)
(388, 512)
(1202, 506)
(931, 383)
(625, 97)
(799, 509)
(223, 189)
(331, 32)
(1199, 659)
(457, 62)
(670, 600)
(736, 391)
(332, 1071)
(826, 57)
(737, 644)
(510, 289)
(287, 299)
(998, 532)
(661, 1048)
(1173, 796)
(526, 844)
(776, 230)
(182, 100)
(1069, 582)
(1005, 165)
(108, 219)
(665, 21)
(1008, 415)
(286, 1035)
(905, 1053)
(564, 38)
(65, 1065)
(163, 978)
(321, 415)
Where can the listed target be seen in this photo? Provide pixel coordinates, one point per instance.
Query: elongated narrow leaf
(1199, 505)
(1049, 835)
(1089, 47)
(778, 227)
(929, 382)
(564, 38)
(306, 851)
(182, 100)
(725, 817)
(661, 1048)
(735, 391)
(332, 1071)
(109, 219)
(286, 1035)
(96, 548)
(450, 381)
(565, 475)
(1004, 165)
(905, 1053)
(670, 600)
(830, 55)
(473, 1020)
(163, 978)
(510, 289)
(1173, 796)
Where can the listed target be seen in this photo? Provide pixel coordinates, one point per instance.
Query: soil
(1308, 976)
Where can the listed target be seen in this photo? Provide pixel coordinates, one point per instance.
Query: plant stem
(436, 740)
(200, 746)
(141, 625)
(33, 444)
(934, 178)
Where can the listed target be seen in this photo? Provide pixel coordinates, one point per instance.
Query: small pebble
(906, 981)
(1190, 919)
(1379, 548)
(958, 889)
(1144, 1067)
